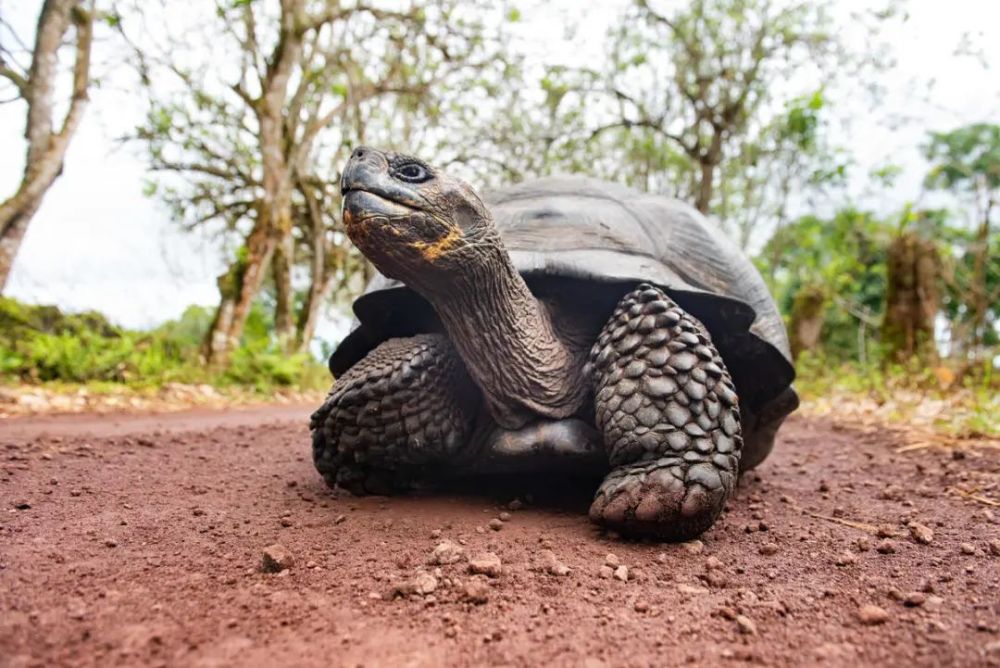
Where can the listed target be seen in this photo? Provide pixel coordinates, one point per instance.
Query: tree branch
(19, 81)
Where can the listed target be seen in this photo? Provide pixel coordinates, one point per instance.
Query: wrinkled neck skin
(505, 336)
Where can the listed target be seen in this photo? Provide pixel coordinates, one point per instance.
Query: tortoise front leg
(670, 418)
(397, 416)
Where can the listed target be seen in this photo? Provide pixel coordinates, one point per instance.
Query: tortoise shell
(607, 238)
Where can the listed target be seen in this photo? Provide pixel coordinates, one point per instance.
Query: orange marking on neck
(433, 250)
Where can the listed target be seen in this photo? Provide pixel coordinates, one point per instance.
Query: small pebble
(995, 547)
(552, 565)
(694, 547)
(496, 524)
(476, 591)
(885, 531)
(612, 560)
(504, 516)
(716, 578)
(446, 552)
(691, 589)
(621, 573)
(421, 584)
(768, 549)
(921, 533)
(885, 546)
(640, 606)
(933, 602)
(845, 559)
(485, 563)
(967, 548)
(276, 558)
(914, 599)
(746, 625)
(869, 615)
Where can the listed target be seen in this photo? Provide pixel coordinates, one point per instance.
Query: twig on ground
(916, 446)
(976, 497)
(861, 526)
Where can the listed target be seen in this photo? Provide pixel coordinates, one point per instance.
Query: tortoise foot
(360, 480)
(405, 410)
(667, 498)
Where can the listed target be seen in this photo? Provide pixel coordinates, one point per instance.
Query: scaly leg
(398, 415)
(670, 418)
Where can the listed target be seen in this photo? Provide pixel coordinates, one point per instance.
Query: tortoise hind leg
(397, 416)
(670, 418)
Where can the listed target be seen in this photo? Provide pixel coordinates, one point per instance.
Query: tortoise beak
(364, 170)
(363, 186)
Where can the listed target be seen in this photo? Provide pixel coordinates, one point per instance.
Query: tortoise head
(410, 219)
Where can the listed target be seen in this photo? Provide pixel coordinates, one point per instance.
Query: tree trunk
(807, 319)
(320, 273)
(281, 268)
(217, 345)
(705, 185)
(980, 289)
(273, 226)
(309, 315)
(238, 287)
(46, 147)
(913, 269)
(13, 225)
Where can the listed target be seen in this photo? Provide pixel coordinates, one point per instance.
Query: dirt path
(138, 541)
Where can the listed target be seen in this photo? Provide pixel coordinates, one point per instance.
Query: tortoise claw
(666, 498)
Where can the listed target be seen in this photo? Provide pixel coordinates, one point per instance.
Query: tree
(967, 162)
(252, 148)
(912, 298)
(697, 80)
(527, 128)
(37, 86)
(829, 276)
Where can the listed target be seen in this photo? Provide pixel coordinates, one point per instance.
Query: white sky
(98, 243)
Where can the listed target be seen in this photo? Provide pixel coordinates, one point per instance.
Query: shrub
(40, 344)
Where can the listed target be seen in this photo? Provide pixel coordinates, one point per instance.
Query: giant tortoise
(564, 324)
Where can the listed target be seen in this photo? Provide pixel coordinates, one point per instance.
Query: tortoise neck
(508, 341)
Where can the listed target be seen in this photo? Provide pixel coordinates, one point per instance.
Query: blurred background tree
(740, 107)
(36, 85)
(966, 161)
(253, 150)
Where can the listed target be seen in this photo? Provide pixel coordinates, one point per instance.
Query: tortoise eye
(412, 172)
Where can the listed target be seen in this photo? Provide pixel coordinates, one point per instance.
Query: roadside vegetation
(40, 345)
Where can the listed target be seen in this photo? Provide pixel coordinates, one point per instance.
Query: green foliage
(966, 161)
(913, 395)
(843, 257)
(967, 158)
(41, 344)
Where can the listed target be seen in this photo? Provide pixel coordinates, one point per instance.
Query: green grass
(41, 345)
(911, 396)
